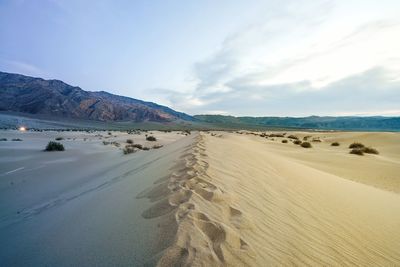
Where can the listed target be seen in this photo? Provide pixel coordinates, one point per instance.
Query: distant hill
(19, 93)
(376, 123)
(53, 103)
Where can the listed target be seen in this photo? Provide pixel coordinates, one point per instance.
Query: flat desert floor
(205, 199)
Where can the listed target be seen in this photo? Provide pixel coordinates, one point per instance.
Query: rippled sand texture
(236, 202)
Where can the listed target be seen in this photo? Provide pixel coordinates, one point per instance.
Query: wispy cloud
(304, 61)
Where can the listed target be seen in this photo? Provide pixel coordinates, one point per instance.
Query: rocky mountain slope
(19, 93)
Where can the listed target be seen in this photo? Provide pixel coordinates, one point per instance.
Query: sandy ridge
(189, 193)
(234, 201)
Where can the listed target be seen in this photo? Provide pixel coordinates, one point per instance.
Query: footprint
(243, 245)
(184, 210)
(235, 217)
(214, 232)
(204, 192)
(180, 197)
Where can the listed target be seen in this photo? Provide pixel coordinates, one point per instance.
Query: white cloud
(302, 60)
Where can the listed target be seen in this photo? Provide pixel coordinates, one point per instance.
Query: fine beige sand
(79, 207)
(245, 200)
(205, 199)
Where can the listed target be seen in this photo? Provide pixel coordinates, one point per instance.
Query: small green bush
(276, 135)
(151, 138)
(139, 146)
(145, 148)
(129, 149)
(129, 141)
(293, 137)
(335, 144)
(306, 145)
(356, 145)
(16, 139)
(54, 146)
(284, 141)
(157, 146)
(297, 142)
(59, 138)
(3, 139)
(370, 150)
(357, 151)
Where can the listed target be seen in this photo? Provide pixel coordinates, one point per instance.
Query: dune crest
(201, 237)
(236, 202)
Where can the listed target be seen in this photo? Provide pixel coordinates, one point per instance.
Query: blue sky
(257, 58)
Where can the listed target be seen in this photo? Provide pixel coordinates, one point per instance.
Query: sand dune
(239, 202)
(208, 199)
(78, 207)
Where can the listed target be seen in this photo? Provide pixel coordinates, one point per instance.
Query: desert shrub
(16, 139)
(106, 143)
(316, 140)
(305, 138)
(129, 141)
(139, 146)
(129, 149)
(293, 137)
(306, 145)
(59, 138)
(356, 145)
(151, 138)
(187, 131)
(335, 144)
(54, 146)
(276, 135)
(3, 139)
(357, 151)
(370, 150)
(284, 141)
(145, 148)
(297, 142)
(157, 146)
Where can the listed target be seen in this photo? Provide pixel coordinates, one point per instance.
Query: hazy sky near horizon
(238, 57)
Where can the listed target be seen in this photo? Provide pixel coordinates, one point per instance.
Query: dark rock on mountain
(19, 93)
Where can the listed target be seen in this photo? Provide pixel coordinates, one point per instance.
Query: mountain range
(56, 100)
(19, 93)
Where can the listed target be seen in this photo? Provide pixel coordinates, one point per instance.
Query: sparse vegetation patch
(16, 139)
(54, 146)
(335, 144)
(151, 138)
(129, 149)
(370, 150)
(139, 146)
(356, 145)
(306, 145)
(297, 142)
(284, 141)
(357, 151)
